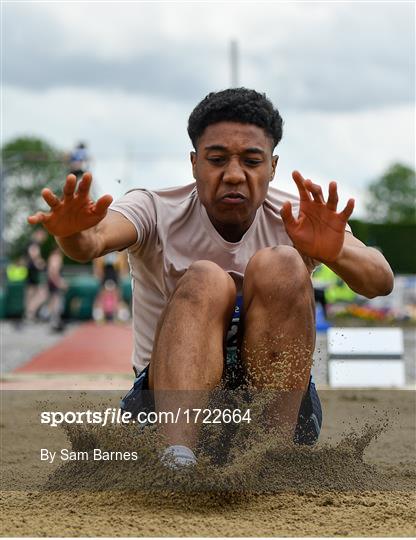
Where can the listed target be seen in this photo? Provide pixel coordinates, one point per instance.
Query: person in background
(35, 264)
(16, 273)
(109, 300)
(79, 160)
(16, 270)
(56, 286)
(319, 294)
(109, 269)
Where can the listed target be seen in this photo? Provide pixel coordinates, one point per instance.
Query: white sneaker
(177, 456)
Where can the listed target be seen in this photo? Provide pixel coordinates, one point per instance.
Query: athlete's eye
(217, 160)
(253, 162)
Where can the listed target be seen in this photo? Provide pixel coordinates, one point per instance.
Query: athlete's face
(233, 165)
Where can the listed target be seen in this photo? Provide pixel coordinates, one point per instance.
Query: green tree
(28, 165)
(393, 196)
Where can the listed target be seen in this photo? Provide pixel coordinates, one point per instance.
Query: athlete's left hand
(319, 230)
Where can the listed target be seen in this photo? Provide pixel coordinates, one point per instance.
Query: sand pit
(358, 481)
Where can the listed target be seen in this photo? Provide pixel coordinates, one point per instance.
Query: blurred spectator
(35, 264)
(319, 293)
(109, 266)
(329, 288)
(109, 300)
(16, 273)
(79, 160)
(109, 269)
(17, 270)
(56, 286)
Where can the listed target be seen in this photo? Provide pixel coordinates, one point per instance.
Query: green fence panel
(80, 296)
(15, 299)
(2, 303)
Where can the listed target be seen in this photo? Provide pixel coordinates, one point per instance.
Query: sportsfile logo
(109, 416)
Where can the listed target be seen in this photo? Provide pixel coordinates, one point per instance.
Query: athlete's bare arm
(319, 232)
(83, 228)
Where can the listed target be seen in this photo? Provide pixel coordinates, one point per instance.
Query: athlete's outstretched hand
(319, 230)
(75, 212)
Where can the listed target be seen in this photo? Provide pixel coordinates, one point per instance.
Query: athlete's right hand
(75, 212)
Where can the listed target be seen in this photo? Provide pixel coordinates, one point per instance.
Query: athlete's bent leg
(187, 360)
(279, 334)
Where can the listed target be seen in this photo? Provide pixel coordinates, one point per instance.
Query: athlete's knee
(206, 282)
(277, 272)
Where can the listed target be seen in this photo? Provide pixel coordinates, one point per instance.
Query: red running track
(91, 348)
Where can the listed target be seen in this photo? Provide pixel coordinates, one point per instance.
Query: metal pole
(234, 63)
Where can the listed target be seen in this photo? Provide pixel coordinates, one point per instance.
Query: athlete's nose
(233, 173)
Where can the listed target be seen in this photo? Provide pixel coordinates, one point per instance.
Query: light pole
(234, 63)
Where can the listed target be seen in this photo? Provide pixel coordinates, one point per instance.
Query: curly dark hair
(235, 105)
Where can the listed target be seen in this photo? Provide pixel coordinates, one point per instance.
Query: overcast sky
(124, 77)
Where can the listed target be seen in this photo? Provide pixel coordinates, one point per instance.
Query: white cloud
(317, 56)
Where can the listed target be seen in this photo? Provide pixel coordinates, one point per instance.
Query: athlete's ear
(192, 155)
(275, 159)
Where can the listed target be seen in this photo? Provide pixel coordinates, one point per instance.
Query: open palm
(318, 231)
(75, 211)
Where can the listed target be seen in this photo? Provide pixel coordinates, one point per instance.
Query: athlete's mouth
(233, 197)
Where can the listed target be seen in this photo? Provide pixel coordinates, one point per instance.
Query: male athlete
(226, 248)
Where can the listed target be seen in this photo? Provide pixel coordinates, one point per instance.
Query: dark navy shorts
(140, 397)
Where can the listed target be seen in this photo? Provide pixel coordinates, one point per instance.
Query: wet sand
(358, 481)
